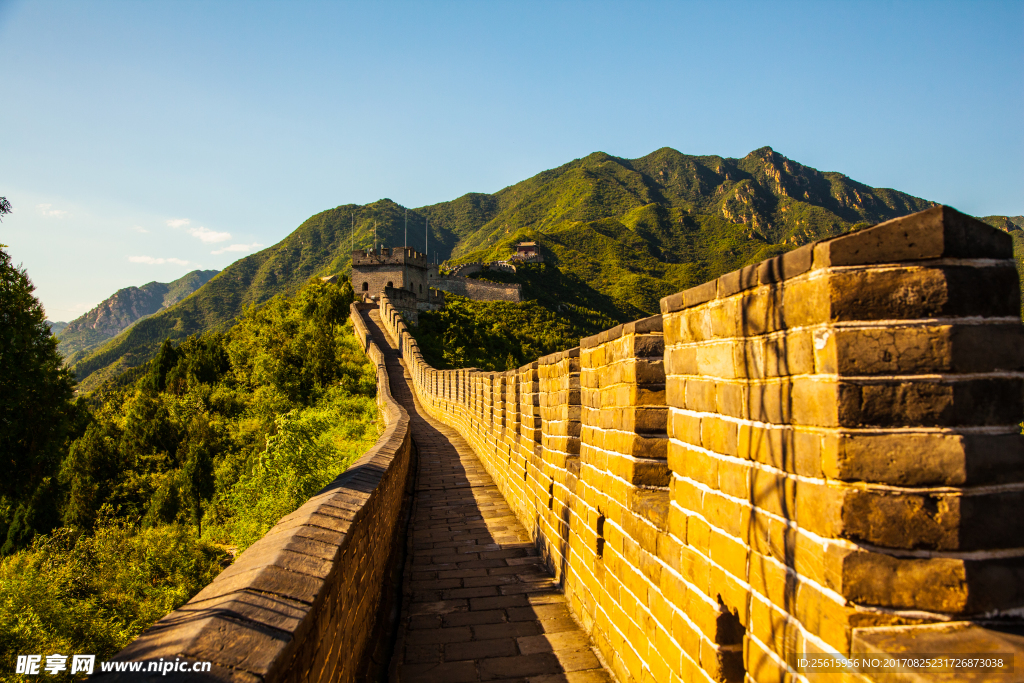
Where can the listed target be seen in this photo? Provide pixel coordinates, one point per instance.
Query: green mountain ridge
(122, 310)
(630, 230)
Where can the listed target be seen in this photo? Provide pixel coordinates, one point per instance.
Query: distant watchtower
(527, 252)
(404, 269)
(526, 249)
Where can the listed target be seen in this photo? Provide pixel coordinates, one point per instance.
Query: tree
(36, 391)
(5, 208)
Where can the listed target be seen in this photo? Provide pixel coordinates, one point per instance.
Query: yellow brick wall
(824, 442)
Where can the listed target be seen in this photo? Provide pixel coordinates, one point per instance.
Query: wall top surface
(937, 233)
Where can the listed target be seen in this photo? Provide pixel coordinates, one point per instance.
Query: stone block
(930, 403)
(941, 640)
(987, 348)
(724, 318)
(737, 281)
(728, 399)
(924, 292)
(700, 396)
(938, 232)
(786, 266)
(700, 294)
(947, 585)
(718, 435)
(936, 521)
(716, 359)
(684, 427)
(760, 312)
(898, 458)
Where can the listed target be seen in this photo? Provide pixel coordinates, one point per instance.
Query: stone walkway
(477, 603)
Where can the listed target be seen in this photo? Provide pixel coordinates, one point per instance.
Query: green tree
(36, 409)
(165, 361)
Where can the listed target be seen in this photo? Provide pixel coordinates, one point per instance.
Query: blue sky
(143, 140)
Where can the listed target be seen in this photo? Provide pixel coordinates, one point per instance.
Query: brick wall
(479, 290)
(820, 449)
(304, 602)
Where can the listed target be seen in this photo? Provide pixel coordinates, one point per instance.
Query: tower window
(421, 289)
(366, 286)
(391, 284)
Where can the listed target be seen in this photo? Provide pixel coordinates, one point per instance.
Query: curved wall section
(302, 603)
(821, 453)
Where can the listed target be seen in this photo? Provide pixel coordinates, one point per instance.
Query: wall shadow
(477, 601)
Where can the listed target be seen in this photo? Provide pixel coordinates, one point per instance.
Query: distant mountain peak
(123, 309)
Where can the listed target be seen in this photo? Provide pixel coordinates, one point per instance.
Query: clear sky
(142, 140)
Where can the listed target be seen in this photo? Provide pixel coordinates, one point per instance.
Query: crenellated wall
(309, 601)
(820, 453)
(479, 290)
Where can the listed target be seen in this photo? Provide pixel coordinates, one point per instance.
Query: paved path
(477, 604)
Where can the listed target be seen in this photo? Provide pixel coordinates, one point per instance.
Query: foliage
(211, 443)
(36, 413)
(309, 448)
(72, 592)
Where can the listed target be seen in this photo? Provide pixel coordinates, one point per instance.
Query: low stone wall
(477, 267)
(479, 290)
(303, 603)
(817, 451)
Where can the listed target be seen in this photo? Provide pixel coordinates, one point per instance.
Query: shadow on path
(477, 603)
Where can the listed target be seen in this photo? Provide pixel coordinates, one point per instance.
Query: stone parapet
(304, 602)
(479, 290)
(813, 452)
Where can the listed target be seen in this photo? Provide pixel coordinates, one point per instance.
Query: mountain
(56, 327)
(641, 229)
(1014, 225)
(629, 230)
(1010, 224)
(122, 310)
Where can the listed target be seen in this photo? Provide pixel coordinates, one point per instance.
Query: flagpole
(407, 228)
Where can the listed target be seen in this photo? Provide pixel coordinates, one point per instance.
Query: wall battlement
(815, 454)
(389, 256)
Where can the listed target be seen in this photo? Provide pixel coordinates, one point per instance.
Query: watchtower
(401, 268)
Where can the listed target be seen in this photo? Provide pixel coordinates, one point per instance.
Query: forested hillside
(121, 311)
(641, 229)
(116, 508)
(634, 230)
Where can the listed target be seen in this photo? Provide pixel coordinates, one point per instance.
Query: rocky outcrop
(122, 310)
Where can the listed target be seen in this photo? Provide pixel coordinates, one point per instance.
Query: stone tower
(404, 269)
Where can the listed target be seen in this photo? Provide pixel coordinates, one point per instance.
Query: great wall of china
(818, 454)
